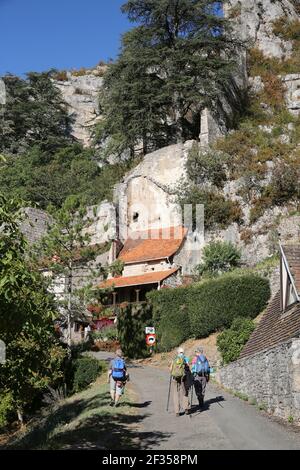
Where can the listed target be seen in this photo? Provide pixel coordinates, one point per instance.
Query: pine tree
(34, 113)
(173, 64)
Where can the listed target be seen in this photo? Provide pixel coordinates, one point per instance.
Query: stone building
(268, 369)
(149, 259)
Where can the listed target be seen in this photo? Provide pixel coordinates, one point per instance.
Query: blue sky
(42, 34)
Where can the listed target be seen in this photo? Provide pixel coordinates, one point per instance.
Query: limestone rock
(253, 21)
(81, 95)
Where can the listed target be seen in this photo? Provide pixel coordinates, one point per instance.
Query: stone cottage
(150, 262)
(268, 369)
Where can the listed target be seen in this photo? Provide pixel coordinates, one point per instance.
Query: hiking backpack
(118, 371)
(178, 367)
(200, 365)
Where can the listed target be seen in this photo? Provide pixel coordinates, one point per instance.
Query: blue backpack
(118, 371)
(201, 365)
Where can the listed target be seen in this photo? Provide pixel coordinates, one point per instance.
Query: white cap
(180, 350)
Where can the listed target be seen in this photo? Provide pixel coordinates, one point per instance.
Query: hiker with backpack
(201, 373)
(117, 377)
(180, 380)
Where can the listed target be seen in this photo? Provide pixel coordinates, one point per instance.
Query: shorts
(116, 386)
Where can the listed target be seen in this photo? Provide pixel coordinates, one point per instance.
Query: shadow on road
(207, 404)
(140, 405)
(94, 426)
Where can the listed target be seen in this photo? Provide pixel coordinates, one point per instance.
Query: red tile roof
(152, 244)
(147, 278)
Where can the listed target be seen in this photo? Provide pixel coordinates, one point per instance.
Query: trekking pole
(192, 394)
(169, 392)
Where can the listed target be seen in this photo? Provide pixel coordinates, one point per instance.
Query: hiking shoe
(112, 403)
(187, 412)
(117, 405)
(177, 414)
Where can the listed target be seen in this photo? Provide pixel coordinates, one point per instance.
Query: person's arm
(109, 372)
(208, 374)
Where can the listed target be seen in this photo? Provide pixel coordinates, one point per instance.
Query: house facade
(149, 259)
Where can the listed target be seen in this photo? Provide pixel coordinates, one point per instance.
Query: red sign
(150, 339)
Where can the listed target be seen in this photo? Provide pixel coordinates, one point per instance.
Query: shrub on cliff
(219, 257)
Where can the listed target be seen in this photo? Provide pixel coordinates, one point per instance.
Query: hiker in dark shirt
(201, 373)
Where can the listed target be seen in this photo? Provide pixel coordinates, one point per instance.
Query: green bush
(219, 211)
(219, 257)
(132, 321)
(6, 408)
(201, 309)
(206, 166)
(109, 333)
(85, 371)
(231, 341)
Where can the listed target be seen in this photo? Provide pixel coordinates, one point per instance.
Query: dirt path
(225, 422)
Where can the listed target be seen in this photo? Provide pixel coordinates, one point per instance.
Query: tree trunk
(70, 280)
(20, 416)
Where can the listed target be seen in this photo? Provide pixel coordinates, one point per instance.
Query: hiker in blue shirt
(117, 377)
(201, 372)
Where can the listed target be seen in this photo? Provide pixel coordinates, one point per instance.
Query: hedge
(132, 320)
(231, 342)
(214, 304)
(201, 309)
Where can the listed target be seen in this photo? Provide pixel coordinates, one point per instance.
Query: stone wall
(35, 224)
(271, 377)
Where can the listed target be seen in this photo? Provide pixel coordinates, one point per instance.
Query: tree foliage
(176, 61)
(219, 257)
(132, 320)
(44, 177)
(34, 114)
(33, 354)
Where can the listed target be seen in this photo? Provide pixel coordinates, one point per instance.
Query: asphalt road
(225, 422)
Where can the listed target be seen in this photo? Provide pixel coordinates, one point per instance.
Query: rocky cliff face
(253, 21)
(146, 195)
(80, 92)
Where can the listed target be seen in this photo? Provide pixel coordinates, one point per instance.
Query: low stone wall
(271, 377)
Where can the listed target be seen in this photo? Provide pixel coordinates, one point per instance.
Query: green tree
(49, 178)
(63, 250)
(33, 355)
(175, 62)
(34, 113)
(219, 257)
